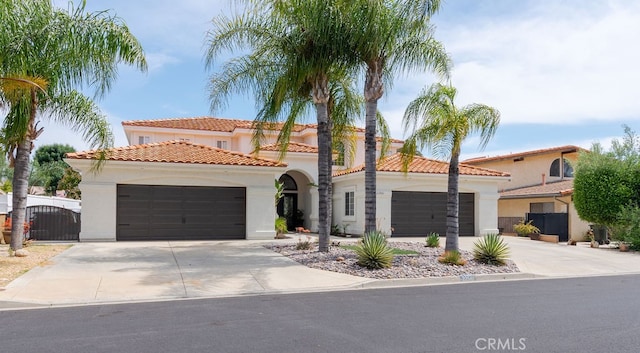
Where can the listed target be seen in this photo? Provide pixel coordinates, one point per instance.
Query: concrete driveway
(137, 271)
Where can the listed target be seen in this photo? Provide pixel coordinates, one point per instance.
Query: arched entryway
(297, 204)
(288, 204)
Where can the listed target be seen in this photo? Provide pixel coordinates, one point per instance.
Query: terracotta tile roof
(393, 163)
(566, 149)
(178, 152)
(293, 147)
(205, 123)
(558, 188)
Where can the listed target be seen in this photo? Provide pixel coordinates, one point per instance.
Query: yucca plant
(491, 249)
(433, 240)
(452, 258)
(373, 251)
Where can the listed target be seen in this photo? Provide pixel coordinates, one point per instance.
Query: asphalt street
(594, 314)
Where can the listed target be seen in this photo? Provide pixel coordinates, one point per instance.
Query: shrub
(452, 258)
(304, 244)
(373, 251)
(524, 229)
(627, 227)
(433, 240)
(281, 227)
(491, 249)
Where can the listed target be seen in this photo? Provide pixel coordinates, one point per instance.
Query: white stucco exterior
(484, 188)
(99, 191)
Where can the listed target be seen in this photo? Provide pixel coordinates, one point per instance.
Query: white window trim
(344, 202)
(143, 139)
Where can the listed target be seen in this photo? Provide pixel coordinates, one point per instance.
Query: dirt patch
(39, 255)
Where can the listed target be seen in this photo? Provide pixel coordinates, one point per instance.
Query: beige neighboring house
(198, 178)
(540, 189)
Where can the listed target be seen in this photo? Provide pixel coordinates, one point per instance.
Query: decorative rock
(21, 253)
(423, 265)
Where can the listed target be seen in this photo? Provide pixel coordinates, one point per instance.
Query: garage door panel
(149, 212)
(420, 213)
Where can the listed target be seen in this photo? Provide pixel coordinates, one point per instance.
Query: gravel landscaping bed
(404, 266)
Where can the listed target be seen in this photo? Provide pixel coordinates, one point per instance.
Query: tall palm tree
(438, 124)
(390, 38)
(67, 50)
(294, 59)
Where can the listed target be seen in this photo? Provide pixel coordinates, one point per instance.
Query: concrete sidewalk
(141, 271)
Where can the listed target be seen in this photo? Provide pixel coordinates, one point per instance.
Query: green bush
(433, 240)
(452, 258)
(627, 227)
(524, 229)
(373, 251)
(491, 249)
(281, 226)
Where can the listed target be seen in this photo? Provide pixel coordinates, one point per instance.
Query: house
(540, 189)
(198, 178)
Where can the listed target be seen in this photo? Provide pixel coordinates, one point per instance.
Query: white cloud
(156, 61)
(559, 64)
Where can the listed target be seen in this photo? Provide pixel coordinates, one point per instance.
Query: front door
(287, 208)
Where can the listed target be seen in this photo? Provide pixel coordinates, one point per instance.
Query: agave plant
(491, 249)
(373, 251)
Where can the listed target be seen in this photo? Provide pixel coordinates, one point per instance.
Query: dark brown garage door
(416, 214)
(151, 212)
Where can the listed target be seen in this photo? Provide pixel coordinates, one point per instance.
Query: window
(349, 203)
(221, 144)
(184, 139)
(554, 171)
(143, 139)
(541, 207)
(567, 169)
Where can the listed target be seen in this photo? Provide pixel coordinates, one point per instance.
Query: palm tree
(66, 50)
(438, 124)
(388, 38)
(295, 59)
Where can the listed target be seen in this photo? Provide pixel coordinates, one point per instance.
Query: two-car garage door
(416, 214)
(153, 212)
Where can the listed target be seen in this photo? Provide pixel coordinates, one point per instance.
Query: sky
(560, 72)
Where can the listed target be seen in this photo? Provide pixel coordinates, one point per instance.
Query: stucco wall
(99, 191)
(528, 171)
(484, 188)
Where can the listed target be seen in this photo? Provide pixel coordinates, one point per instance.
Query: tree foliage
(607, 181)
(57, 53)
(436, 123)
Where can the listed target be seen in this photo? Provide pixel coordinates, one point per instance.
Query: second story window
(143, 139)
(221, 144)
(561, 165)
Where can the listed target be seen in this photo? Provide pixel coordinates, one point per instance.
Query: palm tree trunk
(372, 92)
(320, 94)
(453, 204)
(21, 179)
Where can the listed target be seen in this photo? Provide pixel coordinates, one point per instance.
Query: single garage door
(152, 212)
(416, 214)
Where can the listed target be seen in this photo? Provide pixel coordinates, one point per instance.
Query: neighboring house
(198, 178)
(540, 189)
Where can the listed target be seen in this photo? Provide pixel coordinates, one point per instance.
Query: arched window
(568, 169)
(554, 171)
(289, 183)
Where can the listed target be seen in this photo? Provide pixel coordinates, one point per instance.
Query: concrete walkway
(140, 271)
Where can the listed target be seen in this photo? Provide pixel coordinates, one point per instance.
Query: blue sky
(560, 72)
